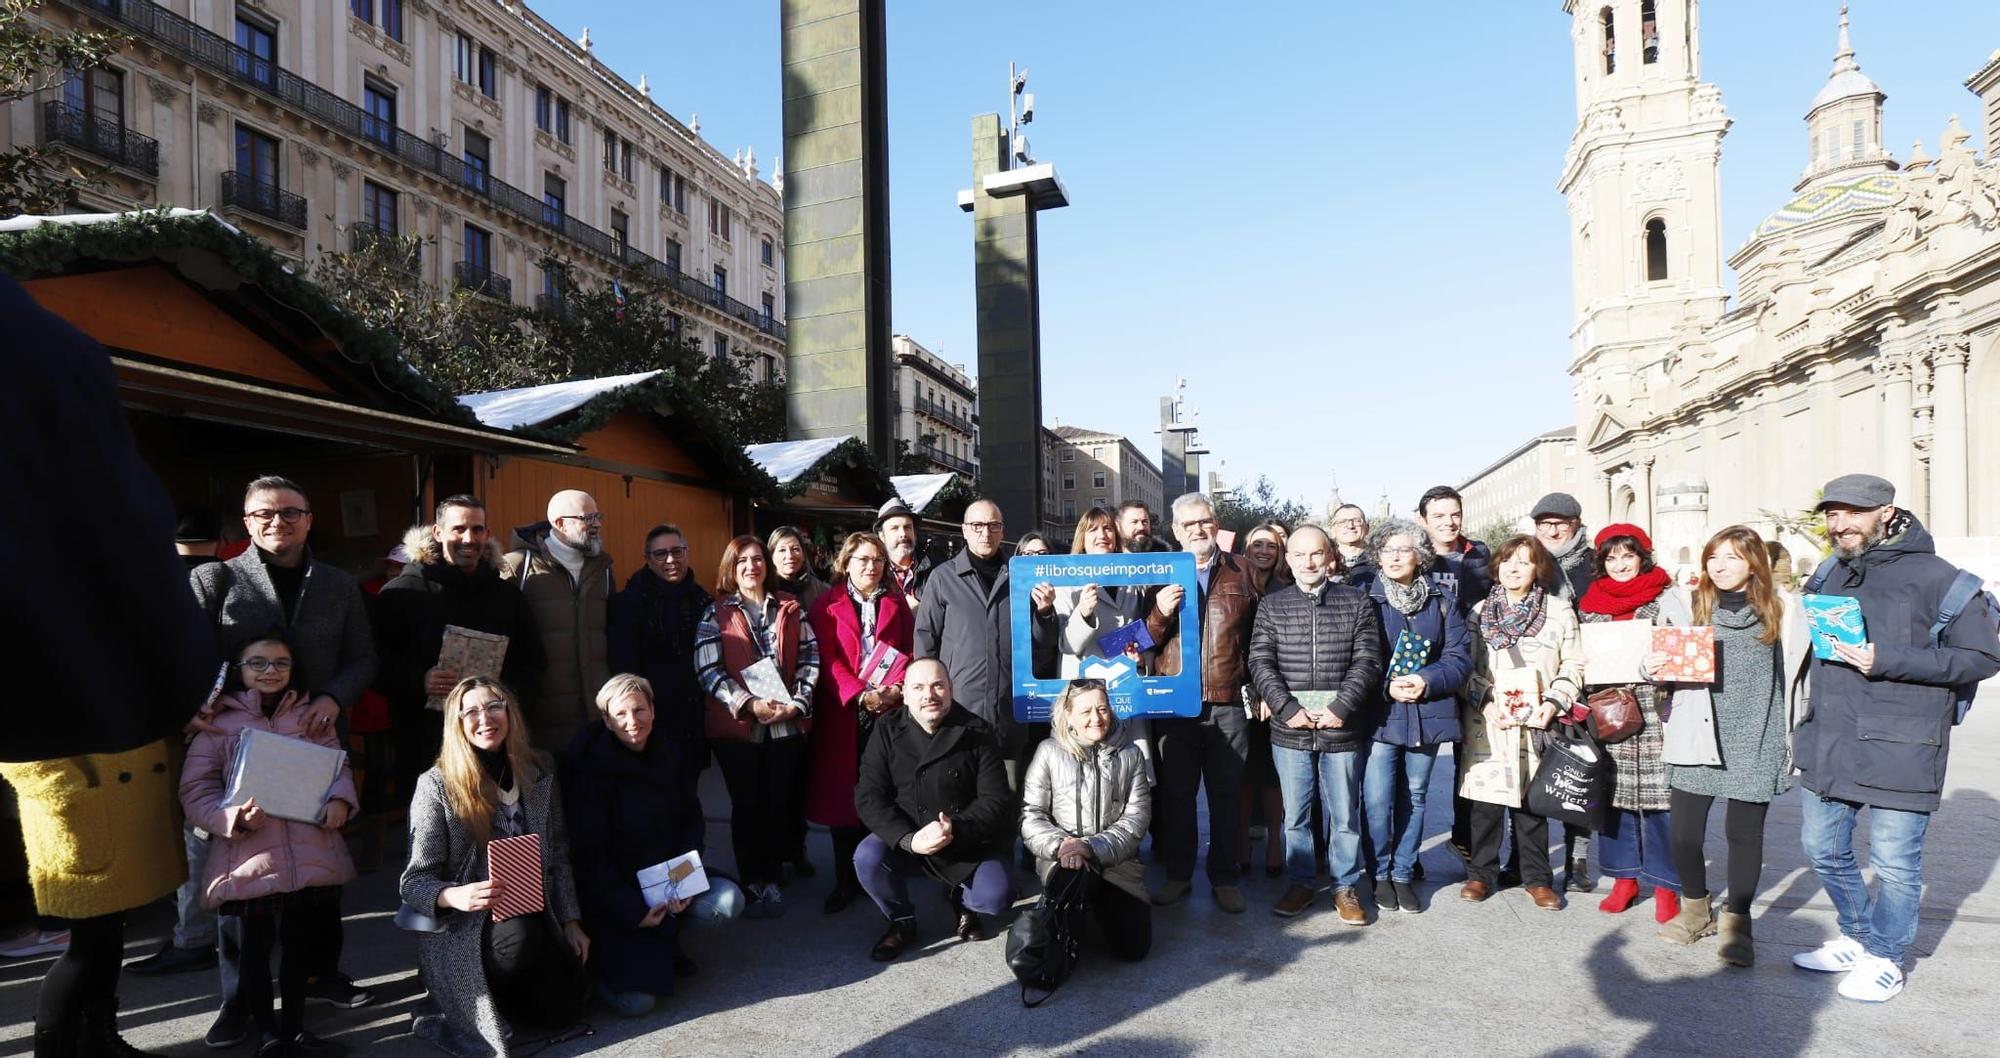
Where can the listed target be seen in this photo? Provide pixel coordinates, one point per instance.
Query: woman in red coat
(851, 620)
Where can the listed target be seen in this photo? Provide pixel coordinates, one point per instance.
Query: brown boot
(1695, 921)
(1736, 948)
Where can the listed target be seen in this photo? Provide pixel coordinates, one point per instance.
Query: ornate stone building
(937, 408)
(1865, 330)
(321, 124)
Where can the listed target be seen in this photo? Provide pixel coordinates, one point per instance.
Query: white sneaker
(1873, 980)
(34, 942)
(1835, 956)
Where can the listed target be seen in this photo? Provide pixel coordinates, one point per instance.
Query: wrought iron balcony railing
(264, 198)
(100, 137)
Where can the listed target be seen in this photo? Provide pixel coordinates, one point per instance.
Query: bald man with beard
(561, 567)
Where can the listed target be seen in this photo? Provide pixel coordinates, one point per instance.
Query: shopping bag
(1575, 780)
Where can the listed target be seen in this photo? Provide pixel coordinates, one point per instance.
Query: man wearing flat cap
(1879, 728)
(909, 567)
(1559, 526)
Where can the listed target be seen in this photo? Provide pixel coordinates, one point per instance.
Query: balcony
(483, 281)
(100, 138)
(263, 198)
(944, 415)
(401, 251)
(946, 459)
(222, 57)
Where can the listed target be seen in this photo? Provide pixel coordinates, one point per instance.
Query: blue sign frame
(1132, 695)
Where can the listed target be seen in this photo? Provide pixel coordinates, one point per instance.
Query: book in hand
(469, 652)
(289, 778)
(516, 863)
(761, 679)
(1412, 653)
(883, 667)
(681, 878)
(1129, 639)
(1690, 653)
(1834, 619)
(1315, 701)
(1615, 652)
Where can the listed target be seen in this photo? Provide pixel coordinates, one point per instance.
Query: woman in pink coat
(849, 619)
(282, 878)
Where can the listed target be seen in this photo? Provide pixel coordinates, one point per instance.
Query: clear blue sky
(1338, 221)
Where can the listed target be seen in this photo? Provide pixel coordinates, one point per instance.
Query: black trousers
(1742, 825)
(85, 977)
(297, 926)
(418, 735)
(533, 975)
(1125, 920)
(1531, 844)
(762, 778)
(1210, 750)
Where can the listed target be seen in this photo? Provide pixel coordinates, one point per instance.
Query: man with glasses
(452, 578)
(277, 586)
(1559, 526)
(1350, 538)
(653, 624)
(1879, 730)
(561, 567)
(1213, 748)
(966, 623)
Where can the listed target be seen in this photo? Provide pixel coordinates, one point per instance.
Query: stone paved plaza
(1500, 978)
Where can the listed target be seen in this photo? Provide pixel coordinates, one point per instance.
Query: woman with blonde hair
(1085, 806)
(1264, 554)
(1732, 739)
(488, 784)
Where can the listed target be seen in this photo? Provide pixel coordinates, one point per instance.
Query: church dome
(1863, 194)
(1846, 83)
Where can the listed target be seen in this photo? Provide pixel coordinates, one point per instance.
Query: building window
(257, 162)
(718, 219)
(1069, 455)
(379, 123)
(478, 255)
(621, 230)
(562, 120)
(672, 255)
(610, 152)
(554, 192)
(1099, 501)
(625, 159)
(378, 208)
(551, 283)
(721, 346)
(1097, 479)
(363, 9)
(1610, 42)
(666, 186)
(478, 154)
(1656, 250)
(1649, 33)
(766, 252)
(545, 108)
(257, 58)
(769, 307)
(1069, 481)
(721, 278)
(392, 19)
(1854, 148)
(489, 78)
(680, 194)
(770, 366)
(98, 94)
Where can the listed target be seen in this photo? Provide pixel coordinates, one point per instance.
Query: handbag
(1614, 714)
(1575, 781)
(1042, 942)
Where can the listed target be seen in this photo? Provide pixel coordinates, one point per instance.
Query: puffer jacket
(1105, 800)
(1883, 739)
(1227, 609)
(1328, 640)
(573, 616)
(280, 856)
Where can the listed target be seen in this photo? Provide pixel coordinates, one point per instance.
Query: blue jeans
(1639, 845)
(885, 872)
(722, 902)
(1885, 923)
(1394, 786)
(1335, 778)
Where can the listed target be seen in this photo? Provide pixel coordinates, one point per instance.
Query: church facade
(1864, 334)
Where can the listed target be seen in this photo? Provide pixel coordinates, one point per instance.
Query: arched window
(1610, 43)
(1656, 250)
(1649, 32)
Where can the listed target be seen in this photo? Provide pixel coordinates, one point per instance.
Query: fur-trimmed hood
(424, 549)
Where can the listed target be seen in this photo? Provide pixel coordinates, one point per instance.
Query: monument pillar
(838, 368)
(1949, 479)
(1892, 365)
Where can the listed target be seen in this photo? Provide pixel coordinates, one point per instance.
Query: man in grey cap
(1559, 526)
(909, 567)
(1879, 730)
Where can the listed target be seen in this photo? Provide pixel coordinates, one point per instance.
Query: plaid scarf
(1504, 624)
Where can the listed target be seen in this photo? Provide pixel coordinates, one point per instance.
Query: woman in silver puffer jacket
(1085, 806)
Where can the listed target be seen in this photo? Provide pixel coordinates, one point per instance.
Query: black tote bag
(1575, 779)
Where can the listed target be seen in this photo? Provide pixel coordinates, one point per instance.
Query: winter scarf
(1407, 598)
(1620, 599)
(1504, 624)
(1576, 553)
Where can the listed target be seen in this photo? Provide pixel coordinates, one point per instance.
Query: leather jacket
(1228, 607)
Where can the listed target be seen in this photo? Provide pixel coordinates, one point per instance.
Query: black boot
(100, 1037)
(56, 1041)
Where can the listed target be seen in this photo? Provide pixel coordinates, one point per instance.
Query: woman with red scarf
(1633, 847)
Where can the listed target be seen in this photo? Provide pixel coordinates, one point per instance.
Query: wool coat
(968, 627)
(908, 778)
(652, 634)
(444, 853)
(414, 607)
(1555, 652)
(839, 721)
(102, 831)
(329, 632)
(282, 855)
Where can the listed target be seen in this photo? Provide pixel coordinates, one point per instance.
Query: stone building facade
(936, 405)
(1507, 490)
(1865, 329)
(1098, 469)
(317, 125)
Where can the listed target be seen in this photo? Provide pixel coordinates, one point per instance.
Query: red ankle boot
(1622, 894)
(1666, 905)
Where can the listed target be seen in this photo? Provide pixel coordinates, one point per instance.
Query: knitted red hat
(1618, 529)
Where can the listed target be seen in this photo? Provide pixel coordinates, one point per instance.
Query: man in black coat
(652, 632)
(453, 578)
(934, 796)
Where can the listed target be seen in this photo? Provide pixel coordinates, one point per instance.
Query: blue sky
(1338, 221)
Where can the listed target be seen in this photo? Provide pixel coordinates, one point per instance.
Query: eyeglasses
(865, 560)
(288, 515)
(266, 664)
(985, 527)
(587, 519)
(661, 554)
(1349, 523)
(1398, 552)
(1197, 523)
(472, 712)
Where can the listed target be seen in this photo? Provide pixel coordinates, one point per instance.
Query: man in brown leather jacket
(1211, 748)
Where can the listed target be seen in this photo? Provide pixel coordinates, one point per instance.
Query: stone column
(1949, 480)
(1604, 494)
(1642, 484)
(1892, 367)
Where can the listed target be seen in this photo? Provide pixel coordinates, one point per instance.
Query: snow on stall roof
(919, 490)
(31, 220)
(507, 409)
(786, 461)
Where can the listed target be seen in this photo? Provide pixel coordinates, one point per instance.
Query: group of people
(1335, 663)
